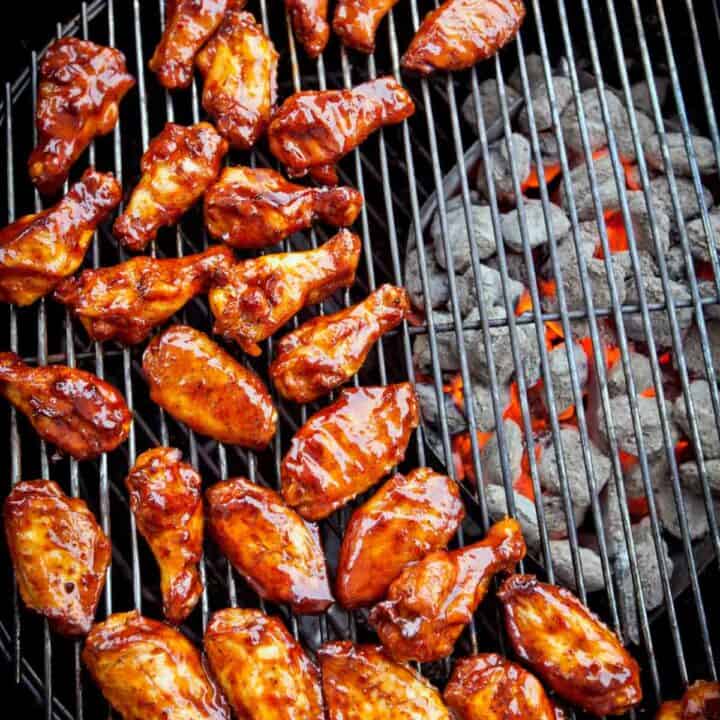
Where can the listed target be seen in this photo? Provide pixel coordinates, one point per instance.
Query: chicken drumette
(345, 448)
(125, 302)
(327, 351)
(262, 669)
(312, 130)
(239, 66)
(147, 670)
(200, 384)
(269, 544)
(258, 207)
(254, 298)
(701, 701)
(59, 553)
(75, 410)
(430, 602)
(188, 26)
(38, 251)
(166, 499)
(576, 654)
(81, 86)
(309, 21)
(178, 166)
(356, 21)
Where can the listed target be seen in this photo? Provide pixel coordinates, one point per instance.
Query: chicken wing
(430, 602)
(269, 544)
(74, 410)
(356, 21)
(327, 351)
(263, 671)
(310, 25)
(254, 298)
(489, 687)
(178, 166)
(258, 207)
(149, 671)
(81, 86)
(461, 33)
(126, 301)
(670, 710)
(188, 26)
(166, 500)
(38, 251)
(345, 448)
(239, 66)
(578, 656)
(200, 384)
(312, 130)
(360, 682)
(701, 701)
(59, 553)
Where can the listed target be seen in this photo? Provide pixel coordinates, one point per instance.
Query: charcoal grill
(401, 173)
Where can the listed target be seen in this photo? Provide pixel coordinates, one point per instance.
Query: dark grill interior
(401, 172)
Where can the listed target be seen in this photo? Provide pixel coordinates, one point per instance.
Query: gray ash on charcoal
(700, 242)
(502, 163)
(678, 154)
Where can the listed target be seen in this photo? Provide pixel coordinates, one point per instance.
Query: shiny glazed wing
(269, 544)
(38, 251)
(59, 554)
(577, 655)
(200, 384)
(310, 25)
(356, 21)
(701, 701)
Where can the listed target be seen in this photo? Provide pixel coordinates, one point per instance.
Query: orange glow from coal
(649, 393)
(627, 460)
(638, 508)
(524, 304)
(524, 486)
(455, 389)
(547, 288)
(567, 414)
(512, 410)
(553, 331)
(532, 181)
(704, 270)
(462, 453)
(616, 235)
(612, 355)
(632, 181)
(665, 358)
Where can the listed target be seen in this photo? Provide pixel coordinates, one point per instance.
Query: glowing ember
(628, 461)
(524, 304)
(532, 181)
(649, 393)
(462, 454)
(455, 389)
(638, 508)
(612, 355)
(567, 414)
(616, 235)
(665, 358)
(547, 288)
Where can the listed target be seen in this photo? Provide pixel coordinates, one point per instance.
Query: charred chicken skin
(166, 499)
(585, 663)
(429, 604)
(310, 25)
(356, 21)
(188, 26)
(489, 687)
(126, 301)
(258, 207)
(200, 384)
(59, 553)
(38, 251)
(263, 671)
(409, 517)
(74, 410)
(701, 701)
(178, 166)
(254, 298)
(313, 130)
(147, 670)
(239, 65)
(269, 544)
(360, 682)
(81, 86)
(327, 351)
(345, 448)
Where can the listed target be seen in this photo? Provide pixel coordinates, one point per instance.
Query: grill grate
(397, 171)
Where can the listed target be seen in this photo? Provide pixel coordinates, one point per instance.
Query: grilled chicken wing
(670, 710)
(578, 656)
(81, 86)
(258, 207)
(356, 21)
(345, 448)
(312, 130)
(200, 384)
(360, 682)
(431, 601)
(74, 410)
(263, 671)
(269, 544)
(254, 298)
(166, 499)
(38, 251)
(701, 701)
(149, 671)
(178, 166)
(327, 351)
(461, 33)
(410, 516)
(59, 553)
(239, 65)
(489, 687)
(188, 26)
(309, 21)
(126, 301)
